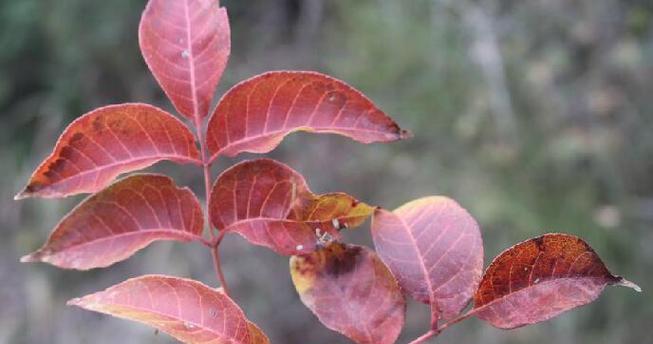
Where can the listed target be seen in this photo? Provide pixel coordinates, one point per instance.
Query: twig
(218, 267)
(215, 241)
(426, 336)
(435, 332)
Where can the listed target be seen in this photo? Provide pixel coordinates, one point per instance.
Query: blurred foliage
(535, 115)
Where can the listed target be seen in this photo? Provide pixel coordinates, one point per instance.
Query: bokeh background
(536, 115)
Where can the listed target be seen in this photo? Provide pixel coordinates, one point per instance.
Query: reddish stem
(458, 319)
(435, 332)
(426, 336)
(207, 188)
(206, 166)
(218, 267)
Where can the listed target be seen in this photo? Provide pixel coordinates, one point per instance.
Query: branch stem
(215, 252)
(207, 191)
(435, 332)
(215, 241)
(426, 336)
(206, 168)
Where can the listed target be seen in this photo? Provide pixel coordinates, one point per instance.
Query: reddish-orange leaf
(351, 291)
(186, 44)
(434, 248)
(540, 278)
(185, 309)
(115, 223)
(106, 142)
(256, 114)
(269, 204)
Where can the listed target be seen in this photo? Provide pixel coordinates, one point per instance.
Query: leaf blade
(186, 48)
(351, 291)
(276, 104)
(199, 314)
(527, 283)
(270, 205)
(434, 248)
(115, 223)
(106, 142)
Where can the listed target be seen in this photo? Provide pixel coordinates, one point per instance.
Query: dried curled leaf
(107, 142)
(540, 278)
(269, 204)
(434, 248)
(186, 45)
(255, 115)
(331, 211)
(351, 291)
(185, 309)
(115, 223)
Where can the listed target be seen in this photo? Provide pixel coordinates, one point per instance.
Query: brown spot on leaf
(342, 260)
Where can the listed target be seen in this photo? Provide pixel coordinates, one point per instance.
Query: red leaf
(540, 278)
(186, 45)
(106, 142)
(115, 223)
(350, 291)
(434, 248)
(255, 115)
(270, 205)
(185, 309)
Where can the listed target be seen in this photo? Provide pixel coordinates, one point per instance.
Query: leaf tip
(77, 302)
(29, 258)
(628, 284)
(22, 195)
(405, 134)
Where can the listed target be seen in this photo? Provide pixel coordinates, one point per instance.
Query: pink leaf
(351, 291)
(434, 248)
(186, 44)
(185, 309)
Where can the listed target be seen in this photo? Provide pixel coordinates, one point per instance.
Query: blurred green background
(536, 115)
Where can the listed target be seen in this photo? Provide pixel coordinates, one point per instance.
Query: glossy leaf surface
(107, 142)
(255, 115)
(351, 291)
(113, 224)
(185, 309)
(186, 44)
(540, 278)
(270, 204)
(434, 248)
